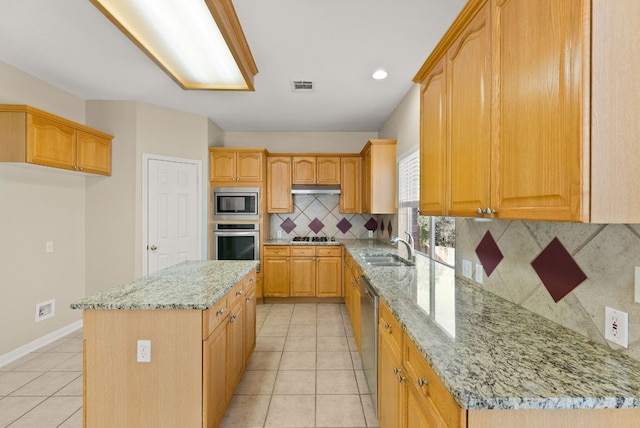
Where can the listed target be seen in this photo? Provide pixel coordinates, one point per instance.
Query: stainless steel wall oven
(236, 241)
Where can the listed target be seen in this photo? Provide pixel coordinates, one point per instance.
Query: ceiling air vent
(302, 86)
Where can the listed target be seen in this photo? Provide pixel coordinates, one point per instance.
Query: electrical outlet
(45, 310)
(616, 326)
(49, 246)
(479, 273)
(466, 268)
(279, 234)
(370, 234)
(144, 351)
(637, 283)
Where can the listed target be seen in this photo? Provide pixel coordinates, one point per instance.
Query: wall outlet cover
(466, 268)
(144, 351)
(45, 310)
(479, 273)
(370, 234)
(616, 326)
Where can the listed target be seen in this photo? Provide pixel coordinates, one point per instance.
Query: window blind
(409, 180)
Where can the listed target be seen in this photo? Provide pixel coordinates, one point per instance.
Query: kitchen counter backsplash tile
(607, 254)
(312, 210)
(491, 353)
(188, 285)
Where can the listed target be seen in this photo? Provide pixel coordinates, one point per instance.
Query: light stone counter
(188, 285)
(490, 353)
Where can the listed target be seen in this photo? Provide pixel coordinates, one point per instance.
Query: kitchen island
(502, 364)
(199, 320)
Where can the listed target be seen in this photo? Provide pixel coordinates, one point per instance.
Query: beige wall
(216, 135)
(404, 123)
(300, 142)
(39, 204)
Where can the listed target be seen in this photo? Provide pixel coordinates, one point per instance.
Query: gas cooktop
(311, 239)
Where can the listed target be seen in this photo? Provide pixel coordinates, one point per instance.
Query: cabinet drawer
(275, 250)
(303, 251)
(390, 327)
(335, 251)
(421, 376)
(249, 283)
(213, 316)
(235, 294)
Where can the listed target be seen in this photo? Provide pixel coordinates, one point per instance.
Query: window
(433, 236)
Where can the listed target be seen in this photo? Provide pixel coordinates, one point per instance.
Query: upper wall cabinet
(350, 189)
(379, 177)
(316, 170)
(234, 165)
(560, 111)
(279, 199)
(34, 136)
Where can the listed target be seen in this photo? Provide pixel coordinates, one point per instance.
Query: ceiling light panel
(184, 39)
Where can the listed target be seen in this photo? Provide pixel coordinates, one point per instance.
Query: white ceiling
(336, 43)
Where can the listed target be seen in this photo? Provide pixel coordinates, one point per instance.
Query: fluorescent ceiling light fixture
(379, 75)
(199, 43)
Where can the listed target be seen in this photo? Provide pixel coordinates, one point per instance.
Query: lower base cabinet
(197, 360)
(352, 295)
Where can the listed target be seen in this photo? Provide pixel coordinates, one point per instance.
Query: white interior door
(172, 213)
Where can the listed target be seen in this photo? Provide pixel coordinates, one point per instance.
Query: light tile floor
(44, 388)
(305, 372)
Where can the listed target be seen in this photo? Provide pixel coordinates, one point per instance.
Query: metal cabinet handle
(251, 279)
(233, 318)
(387, 325)
(488, 211)
(249, 299)
(238, 293)
(220, 312)
(396, 370)
(422, 382)
(401, 378)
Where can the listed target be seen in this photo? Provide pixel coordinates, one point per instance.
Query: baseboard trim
(11, 356)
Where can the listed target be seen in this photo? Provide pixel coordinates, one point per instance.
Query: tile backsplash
(607, 254)
(319, 215)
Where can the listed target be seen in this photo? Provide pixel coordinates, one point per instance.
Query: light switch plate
(466, 268)
(637, 287)
(479, 273)
(616, 326)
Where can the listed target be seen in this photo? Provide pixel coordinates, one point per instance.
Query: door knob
(153, 247)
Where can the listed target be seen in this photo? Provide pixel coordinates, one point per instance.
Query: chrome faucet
(408, 243)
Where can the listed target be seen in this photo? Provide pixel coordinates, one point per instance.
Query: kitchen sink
(390, 260)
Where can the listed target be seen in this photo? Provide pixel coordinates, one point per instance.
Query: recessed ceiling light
(379, 75)
(200, 44)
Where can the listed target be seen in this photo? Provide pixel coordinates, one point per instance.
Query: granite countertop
(188, 285)
(490, 353)
(289, 242)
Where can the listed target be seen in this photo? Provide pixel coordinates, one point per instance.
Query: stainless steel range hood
(315, 189)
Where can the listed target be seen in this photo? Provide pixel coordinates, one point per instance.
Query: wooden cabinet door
(223, 165)
(350, 185)
(249, 323)
(304, 169)
(380, 177)
(276, 277)
(279, 198)
(420, 412)
(50, 143)
(433, 142)
(249, 166)
(538, 110)
(366, 181)
(355, 310)
(390, 390)
(93, 153)
(235, 348)
(469, 120)
(328, 170)
(329, 277)
(214, 364)
(303, 276)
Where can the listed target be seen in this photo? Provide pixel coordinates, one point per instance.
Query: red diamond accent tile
(489, 253)
(558, 271)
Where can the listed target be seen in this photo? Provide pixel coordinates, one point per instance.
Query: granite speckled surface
(490, 353)
(289, 242)
(188, 285)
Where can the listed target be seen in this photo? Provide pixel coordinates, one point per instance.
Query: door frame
(146, 157)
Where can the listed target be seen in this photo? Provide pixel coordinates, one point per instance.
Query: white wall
(300, 142)
(39, 204)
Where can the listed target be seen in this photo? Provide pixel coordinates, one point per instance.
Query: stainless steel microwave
(236, 203)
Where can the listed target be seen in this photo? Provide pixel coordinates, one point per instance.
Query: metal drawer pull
(239, 292)
(233, 318)
(249, 299)
(387, 325)
(396, 370)
(422, 382)
(220, 312)
(401, 378)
